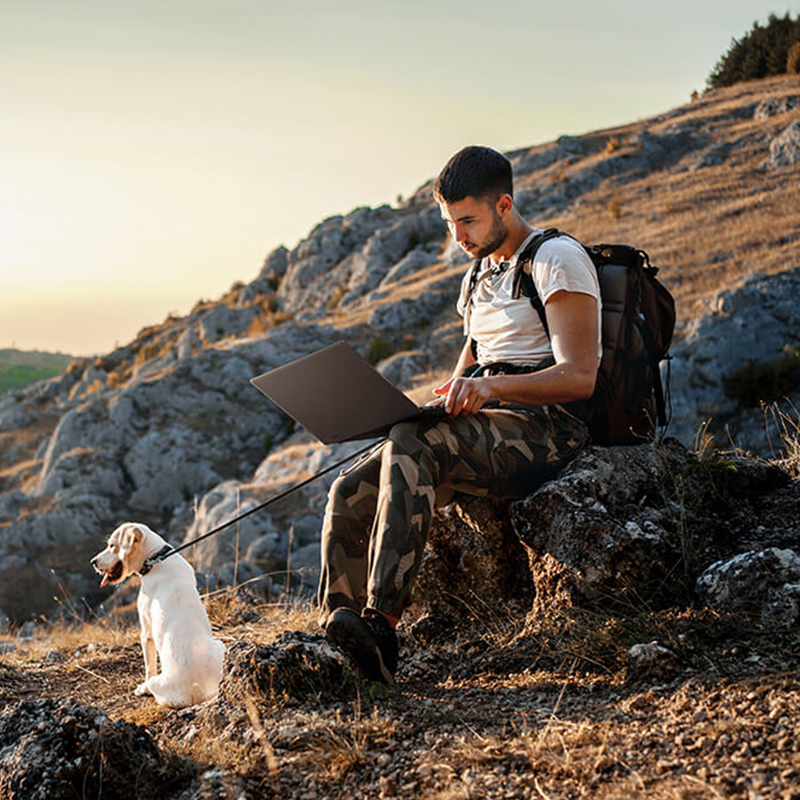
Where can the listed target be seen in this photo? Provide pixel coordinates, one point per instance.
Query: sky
(152, 153)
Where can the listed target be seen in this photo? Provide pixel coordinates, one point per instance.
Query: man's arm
(572, 319)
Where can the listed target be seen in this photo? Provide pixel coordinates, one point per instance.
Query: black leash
(168, 550)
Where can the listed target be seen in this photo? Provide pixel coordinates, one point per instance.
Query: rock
(221, 322)
(414, 261)
(750, 324)
(304, 570)
(784, 149)
(224, 503)
(275, 264)
(268, 553)
(324, 261)
(219, 782)
(298, 664)
(474, 564)
(652, 662)
(7, 647)
(409, 313)
(712, 156)
(773, 106)
(401, 368)
(52, 750)
(589, 534)
(765, 581)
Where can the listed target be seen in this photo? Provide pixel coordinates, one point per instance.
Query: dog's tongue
(104, 581)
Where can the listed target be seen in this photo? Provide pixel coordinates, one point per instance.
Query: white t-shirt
(510, 330)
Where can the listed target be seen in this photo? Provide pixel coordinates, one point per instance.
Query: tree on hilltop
(758, 54)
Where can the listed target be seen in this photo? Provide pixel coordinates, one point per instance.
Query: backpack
(638, 320)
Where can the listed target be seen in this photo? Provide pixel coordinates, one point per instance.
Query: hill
(19, 368)
(539, 697)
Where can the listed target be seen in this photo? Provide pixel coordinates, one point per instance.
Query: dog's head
(124, 554)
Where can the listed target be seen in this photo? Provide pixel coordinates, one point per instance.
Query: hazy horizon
(156, 153)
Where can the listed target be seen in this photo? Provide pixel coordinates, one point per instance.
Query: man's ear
(504, 204)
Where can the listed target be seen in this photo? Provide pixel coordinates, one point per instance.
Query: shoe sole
(349, 634)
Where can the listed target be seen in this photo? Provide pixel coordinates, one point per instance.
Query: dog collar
(149, 563)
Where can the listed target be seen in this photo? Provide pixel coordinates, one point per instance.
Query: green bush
(758, 54)
(378, 350)
(766, 381)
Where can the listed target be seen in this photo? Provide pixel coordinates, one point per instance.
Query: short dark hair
(474, 172)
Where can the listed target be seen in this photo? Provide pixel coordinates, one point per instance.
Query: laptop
(338, 396)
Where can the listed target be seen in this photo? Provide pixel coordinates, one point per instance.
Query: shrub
(378, 350)
(614, 209)
(612, 145)
(333, 301)
(793, 59)
(760, 53)
(765, 381)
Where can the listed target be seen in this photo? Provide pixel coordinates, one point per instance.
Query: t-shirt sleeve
(461, 303)
(560, 265)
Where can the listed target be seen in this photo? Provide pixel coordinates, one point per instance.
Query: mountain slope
(166, 429)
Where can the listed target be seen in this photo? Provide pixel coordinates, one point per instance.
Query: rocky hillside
(167, 429)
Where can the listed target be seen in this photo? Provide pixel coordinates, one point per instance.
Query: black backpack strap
(658, 387)
(523, 280)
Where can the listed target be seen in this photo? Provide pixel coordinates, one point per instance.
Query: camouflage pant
(379, 510)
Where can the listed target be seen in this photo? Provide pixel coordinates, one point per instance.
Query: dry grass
(786, 423)
(707, 229)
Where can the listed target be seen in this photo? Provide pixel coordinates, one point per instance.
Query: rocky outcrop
(344, 258)
(773, 106)
(167, 429)
(605, 531)
(53, 750)
(784, 149)
(297, 665)
(748, 326)
(474, 566)
(143, 451)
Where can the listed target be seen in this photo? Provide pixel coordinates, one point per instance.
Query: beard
(498, 233)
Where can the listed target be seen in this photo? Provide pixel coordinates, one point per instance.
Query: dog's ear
(133, 535)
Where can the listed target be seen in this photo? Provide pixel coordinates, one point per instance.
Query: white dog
(171, 614)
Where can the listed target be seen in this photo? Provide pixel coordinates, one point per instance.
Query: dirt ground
(500, 709)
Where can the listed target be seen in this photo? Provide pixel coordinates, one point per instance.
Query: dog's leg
(172, 692)
(150, 666)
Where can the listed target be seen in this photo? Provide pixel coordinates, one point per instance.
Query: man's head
(475, 194)
(478, 172)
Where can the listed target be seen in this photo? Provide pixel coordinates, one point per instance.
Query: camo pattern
(380, 509)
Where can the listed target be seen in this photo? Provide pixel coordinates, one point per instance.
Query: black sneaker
(369, 639)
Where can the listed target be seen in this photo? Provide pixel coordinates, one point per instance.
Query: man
(379, 510)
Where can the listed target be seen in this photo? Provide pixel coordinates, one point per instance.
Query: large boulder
(603, 531)
(474, 566)
(298, 665)
(784, 149)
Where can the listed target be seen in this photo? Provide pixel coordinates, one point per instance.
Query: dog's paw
(141, 689)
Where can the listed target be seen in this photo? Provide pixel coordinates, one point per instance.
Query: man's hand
(462, 396)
